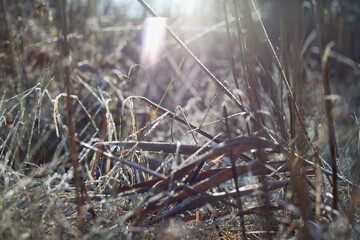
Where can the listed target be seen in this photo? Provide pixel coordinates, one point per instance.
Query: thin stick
(122, 160)
(231, 49)
(235, 176)
(156, 146)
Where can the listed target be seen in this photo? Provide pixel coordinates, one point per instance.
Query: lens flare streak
(153, 39)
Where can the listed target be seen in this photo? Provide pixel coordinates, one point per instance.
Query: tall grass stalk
(80, 190)
(328, 104)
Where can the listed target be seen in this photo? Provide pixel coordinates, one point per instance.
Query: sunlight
(153, 38)
(187, 5)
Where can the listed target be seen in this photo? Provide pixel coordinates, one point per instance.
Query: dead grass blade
(218, 176)
(159, 196)
(200, 200)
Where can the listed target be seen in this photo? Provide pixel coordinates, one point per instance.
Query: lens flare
(153, 39)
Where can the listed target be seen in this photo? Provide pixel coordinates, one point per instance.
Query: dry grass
(255, 137)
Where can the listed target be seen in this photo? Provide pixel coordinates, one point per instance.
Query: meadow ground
(179, 119)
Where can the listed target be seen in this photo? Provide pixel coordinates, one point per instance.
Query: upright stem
(71, 134)
(327, 91)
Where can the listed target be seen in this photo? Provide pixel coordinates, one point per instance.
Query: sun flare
(153, 39)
